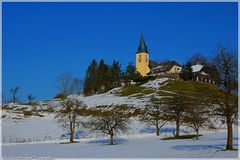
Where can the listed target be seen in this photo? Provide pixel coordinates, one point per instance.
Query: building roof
(197, 68)
(142, 46)
(166, 65)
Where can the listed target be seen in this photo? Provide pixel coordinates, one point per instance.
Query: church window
(139, 60)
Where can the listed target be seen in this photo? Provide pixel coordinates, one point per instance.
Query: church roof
(142, 46)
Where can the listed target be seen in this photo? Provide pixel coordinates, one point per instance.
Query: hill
(35, 123)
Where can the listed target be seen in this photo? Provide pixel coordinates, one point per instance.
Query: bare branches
(68, 85)
(69, 115)
(14, 93)
(30, 98)
(154, 115)
(110, 120)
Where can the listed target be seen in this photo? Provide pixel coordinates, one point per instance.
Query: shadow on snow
(107, 141)
(201, 147)
(162, 130)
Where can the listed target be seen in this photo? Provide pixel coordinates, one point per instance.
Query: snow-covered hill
(19, 128)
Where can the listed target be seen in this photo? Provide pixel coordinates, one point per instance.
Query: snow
(156, 84)
(197, 68)
(30, 129)
(40, 136)
(110, 98)
(143, 146)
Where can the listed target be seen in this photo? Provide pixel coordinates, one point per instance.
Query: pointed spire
(142, 46)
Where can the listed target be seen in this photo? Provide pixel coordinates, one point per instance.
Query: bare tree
(226, 63)
(175, 109)
(196, 117)
(14, 93)
(67, 85)
(76, 86)
(154, 115)
(110, 120)
(64, 82)
(69, 115)
(30, 98)
(197, 58)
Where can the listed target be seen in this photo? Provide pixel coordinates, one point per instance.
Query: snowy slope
(38, 136)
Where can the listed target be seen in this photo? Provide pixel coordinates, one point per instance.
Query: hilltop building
(166, 69)
(142, 58)
(170, 69)
(200, 75)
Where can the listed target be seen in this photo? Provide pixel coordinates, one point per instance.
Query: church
(146, 67)
(142, 58)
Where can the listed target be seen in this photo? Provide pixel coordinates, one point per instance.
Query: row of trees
(107, 119)
(102, 77)
(181, 108)
(194, 111)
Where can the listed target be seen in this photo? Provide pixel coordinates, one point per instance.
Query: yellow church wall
(142, 63)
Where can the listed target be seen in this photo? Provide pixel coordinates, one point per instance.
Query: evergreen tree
(130, 72)
(115, 74)
(103, 74)
(90, 82)
(186, 73)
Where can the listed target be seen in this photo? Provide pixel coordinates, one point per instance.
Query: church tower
(142, 58)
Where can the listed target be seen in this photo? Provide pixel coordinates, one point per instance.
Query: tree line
(101, 77)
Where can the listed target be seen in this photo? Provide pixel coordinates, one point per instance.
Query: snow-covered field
(40, 136)
(140, 146)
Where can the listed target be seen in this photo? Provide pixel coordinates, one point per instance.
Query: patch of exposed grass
(30, 103)
(161, 93)
(130, 90)
(27, 113)
(189, 86)
(148, 91)
(48, 110)
(6, 107)
(189, 136)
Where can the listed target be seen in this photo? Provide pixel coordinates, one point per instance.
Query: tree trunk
(177, 129)
(71, 137)
(71, 134)
(111, 139)
(157, 130)
(229, 145)
(14, 99)
(197, 134)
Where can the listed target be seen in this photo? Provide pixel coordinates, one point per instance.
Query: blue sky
(42, 40)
